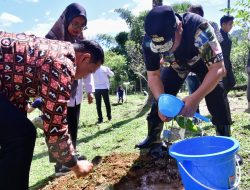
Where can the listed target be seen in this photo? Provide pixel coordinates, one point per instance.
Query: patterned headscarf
(59, 30)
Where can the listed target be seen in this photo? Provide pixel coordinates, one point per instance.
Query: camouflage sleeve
(207, 44)
(216, 31)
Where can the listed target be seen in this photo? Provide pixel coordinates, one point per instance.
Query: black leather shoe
(99, 121)
(81, 157)
(154, 136)
(109, 118)
(145, 144)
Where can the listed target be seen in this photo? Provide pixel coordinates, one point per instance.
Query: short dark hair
(226, 18)
(91, 47)
(197, 9)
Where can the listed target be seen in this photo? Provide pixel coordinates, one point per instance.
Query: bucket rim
(226, 152)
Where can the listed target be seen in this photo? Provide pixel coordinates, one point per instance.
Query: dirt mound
(125, 172)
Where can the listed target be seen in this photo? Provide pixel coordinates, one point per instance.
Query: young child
(120, 93)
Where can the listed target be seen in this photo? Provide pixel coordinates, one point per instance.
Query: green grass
(119, 135)
(241, 132)
(127, 128)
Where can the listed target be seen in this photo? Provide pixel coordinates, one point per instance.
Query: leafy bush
(239, 56)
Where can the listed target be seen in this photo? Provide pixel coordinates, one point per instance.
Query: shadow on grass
(114, 126)
(42, 183)
(45, 181)
(116, 104)
(104, 131)
(143, 111)
(246, 127)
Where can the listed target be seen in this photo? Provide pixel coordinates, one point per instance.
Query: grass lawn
(128, 127)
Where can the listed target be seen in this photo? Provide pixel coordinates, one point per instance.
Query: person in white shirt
(74, 104)
(101, 80)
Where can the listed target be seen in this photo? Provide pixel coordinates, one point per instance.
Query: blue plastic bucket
(207, 162)
(171, 106)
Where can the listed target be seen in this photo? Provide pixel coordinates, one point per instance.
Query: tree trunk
(228, 7)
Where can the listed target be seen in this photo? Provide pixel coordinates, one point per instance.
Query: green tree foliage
(241, 45)
(136, 63)
(121, 39)
(126, 15)
(239, 60)
(118, 65)
(133, 46)
(136, 58)
(137, 28)
(135, 24)
(181, 7)
(241, 12)
(106, 40)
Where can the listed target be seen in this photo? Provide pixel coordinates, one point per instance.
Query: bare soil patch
(134, 171)
(237, 102)
(125, 172)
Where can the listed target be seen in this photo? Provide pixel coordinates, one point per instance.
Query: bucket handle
(236, 184)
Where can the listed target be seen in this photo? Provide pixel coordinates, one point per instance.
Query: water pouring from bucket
(171, 106)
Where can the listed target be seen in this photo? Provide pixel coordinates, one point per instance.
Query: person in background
(37, 121)
(198, 9)
(101, 80)
(47, 70)
(248, 77)
(186, 43)
(192, 79)
(69, 27)
(226, 23)
(120, 93)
